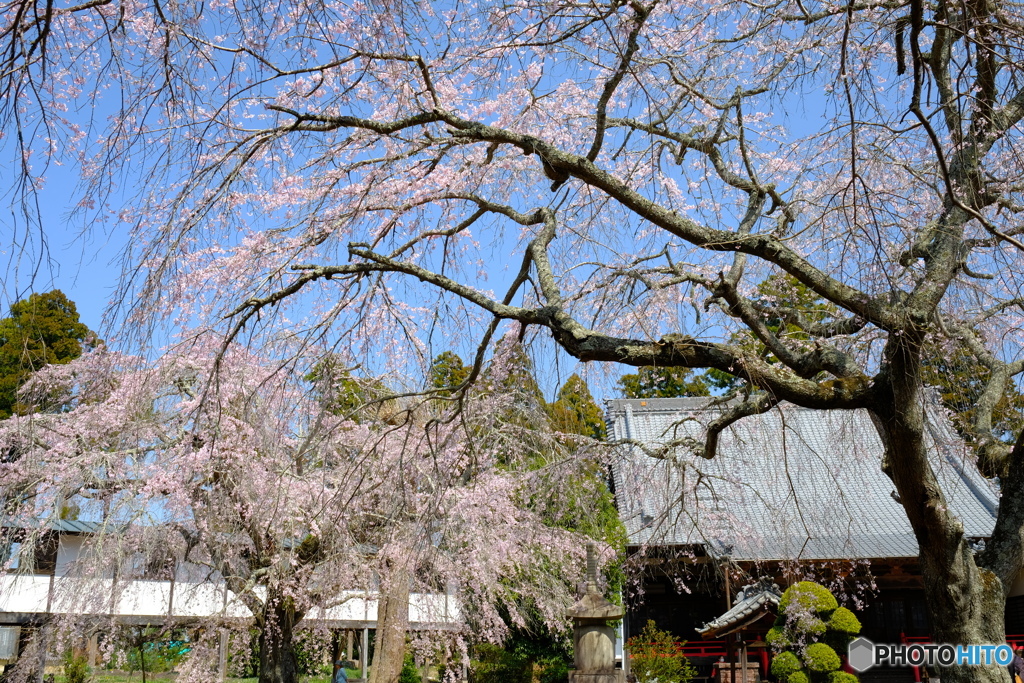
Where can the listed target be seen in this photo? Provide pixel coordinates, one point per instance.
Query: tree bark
(278, 663)
(392, 625)
(966, 602)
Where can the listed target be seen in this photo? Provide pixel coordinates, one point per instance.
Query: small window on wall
(21, 558)
(46, 554)
(12, 558)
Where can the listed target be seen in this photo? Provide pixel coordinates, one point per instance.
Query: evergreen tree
(960, 380)
(574, 410)
(654, 382)
(41, 330)
(342, 393)
(447, 372)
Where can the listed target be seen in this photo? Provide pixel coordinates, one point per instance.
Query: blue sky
(60, 253)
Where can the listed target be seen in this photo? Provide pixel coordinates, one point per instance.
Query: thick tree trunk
(966, 601)
(278, 663)
(392, 625)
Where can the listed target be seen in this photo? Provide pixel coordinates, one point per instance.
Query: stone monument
(594, 633)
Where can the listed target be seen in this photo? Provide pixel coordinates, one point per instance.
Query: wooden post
(222, 655)
(743, 660)
(94, 650)
(731, 657)
(348, 644)
(625, 651)
(364, 652)
(42, 644)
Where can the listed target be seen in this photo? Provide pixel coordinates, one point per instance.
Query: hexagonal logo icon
(861, 654)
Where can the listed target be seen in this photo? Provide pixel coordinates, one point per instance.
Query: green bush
(810, 596)
(519, 663)
(156, 657)
(841, 677)
(810, 629)
(493, 664)
(554, 670)
(812, 626)
(777, 638)
(844, 621)
(76, 668)
(820, 658)
(409, 673)
(784, 665)
(654, 656)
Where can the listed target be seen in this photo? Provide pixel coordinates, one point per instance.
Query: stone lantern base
(615, 676)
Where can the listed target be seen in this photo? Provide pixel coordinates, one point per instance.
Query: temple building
(792, 494)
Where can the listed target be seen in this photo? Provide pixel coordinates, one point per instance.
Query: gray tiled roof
(793, 483)
(749, 602)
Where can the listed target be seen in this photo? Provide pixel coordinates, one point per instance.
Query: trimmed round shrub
(844, 621)
(777, 638)
(811, 626)
(810, 596)
(821, 658)
(842, 677)
(784, 665)
(798, 677)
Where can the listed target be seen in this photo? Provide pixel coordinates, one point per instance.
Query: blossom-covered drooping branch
(245, 477)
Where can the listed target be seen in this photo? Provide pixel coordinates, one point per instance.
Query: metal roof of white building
(792, 483)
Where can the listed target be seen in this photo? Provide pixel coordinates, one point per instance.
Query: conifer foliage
(40, 330)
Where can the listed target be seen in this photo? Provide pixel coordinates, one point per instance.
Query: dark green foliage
(655, 656)
(342, 393)
(574, 410)
(447, 372)
(40, 330)
(545, 653)
(409, 672)
(810, 629)
(245, 661)
(589, 507)
(76, 668)
(653, 382)
(960, 379)
(494, 664)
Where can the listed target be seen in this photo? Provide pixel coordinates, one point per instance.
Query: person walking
(339, 673)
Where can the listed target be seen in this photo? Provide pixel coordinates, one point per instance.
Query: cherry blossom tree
(255, 481)
(361, 173)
